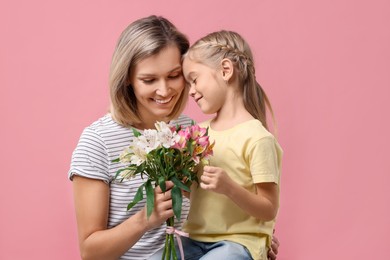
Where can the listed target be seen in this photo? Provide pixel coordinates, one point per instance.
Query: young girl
(233, 211)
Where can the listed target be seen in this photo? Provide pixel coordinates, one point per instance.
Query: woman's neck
(148, 124)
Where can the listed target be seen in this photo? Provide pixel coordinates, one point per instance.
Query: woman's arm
(92, 207)
(263, 204)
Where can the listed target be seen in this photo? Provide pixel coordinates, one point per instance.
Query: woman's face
(158, 83)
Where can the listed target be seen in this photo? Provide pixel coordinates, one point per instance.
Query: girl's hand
(162, 206)
(215, 179)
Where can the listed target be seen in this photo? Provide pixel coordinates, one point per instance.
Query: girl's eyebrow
(190, 75)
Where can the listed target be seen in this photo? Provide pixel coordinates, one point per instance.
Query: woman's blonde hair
(141, 39)
(211, 49)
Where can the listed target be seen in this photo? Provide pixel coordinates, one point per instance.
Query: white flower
(133, 155)
(161, 126)
(166, 137)
(125, 156)
(127, 174)
(149, 140)
(138, 156)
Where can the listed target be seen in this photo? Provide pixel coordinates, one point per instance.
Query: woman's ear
(227, 69)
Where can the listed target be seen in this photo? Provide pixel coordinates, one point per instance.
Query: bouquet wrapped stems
(169, 247)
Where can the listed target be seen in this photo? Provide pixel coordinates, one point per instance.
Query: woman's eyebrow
(177, 68)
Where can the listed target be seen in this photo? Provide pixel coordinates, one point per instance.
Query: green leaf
(187, 172)
(115, 160)
(140, 168)
(179, 184)
(161, 183)
(177, 199)
(149, 198)
(136, 132)
(190, 147)
(138, 197)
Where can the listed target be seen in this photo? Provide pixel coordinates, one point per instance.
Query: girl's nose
(192, 90)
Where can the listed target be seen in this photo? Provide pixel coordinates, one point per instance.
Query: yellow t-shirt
(249, 154)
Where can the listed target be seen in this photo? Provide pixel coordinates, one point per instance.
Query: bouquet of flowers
(167, 153)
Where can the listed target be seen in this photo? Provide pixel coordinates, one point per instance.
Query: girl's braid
(243, 61)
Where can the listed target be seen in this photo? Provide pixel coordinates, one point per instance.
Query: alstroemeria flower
(166, 136)
(127, 174)
(183, 137)
(149, 140)
(138, 155)
(197, 132)
(125, 156)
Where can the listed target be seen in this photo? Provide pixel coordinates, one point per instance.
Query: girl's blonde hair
(214, 47)
(141, 39)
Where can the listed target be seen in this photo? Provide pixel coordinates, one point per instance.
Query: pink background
(324, 64)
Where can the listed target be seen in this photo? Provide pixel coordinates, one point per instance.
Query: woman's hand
(162, 206)
(272, 253)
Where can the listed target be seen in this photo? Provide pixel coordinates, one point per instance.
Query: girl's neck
(233, 112)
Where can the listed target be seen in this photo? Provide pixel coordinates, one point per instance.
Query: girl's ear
(227, 69)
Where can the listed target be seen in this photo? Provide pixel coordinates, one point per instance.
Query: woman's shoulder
(105, 123)
(104, 127)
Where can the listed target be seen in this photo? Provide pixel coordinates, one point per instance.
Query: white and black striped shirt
(99, 144)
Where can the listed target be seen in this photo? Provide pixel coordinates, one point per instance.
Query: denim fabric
(221, 250)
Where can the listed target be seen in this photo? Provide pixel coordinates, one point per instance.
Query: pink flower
(203, 141)
(184, 136)
(197, 131)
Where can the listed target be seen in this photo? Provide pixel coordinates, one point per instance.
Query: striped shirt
(99, 144)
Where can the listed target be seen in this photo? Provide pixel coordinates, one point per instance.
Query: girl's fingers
(203, 185)
(209, 169)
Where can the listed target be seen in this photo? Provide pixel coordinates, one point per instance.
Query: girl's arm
(92, 207)
(263, 204)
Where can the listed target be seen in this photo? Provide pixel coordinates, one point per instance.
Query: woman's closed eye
(175, 76)
(148, 81)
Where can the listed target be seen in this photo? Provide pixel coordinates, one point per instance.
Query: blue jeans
(194, 250)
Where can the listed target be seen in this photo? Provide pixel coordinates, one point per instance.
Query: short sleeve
(90, 159)
(265, 160)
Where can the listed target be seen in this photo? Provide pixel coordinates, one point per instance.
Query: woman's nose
(163, 88)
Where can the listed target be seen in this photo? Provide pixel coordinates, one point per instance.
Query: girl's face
(158, 82)
(207, 87)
